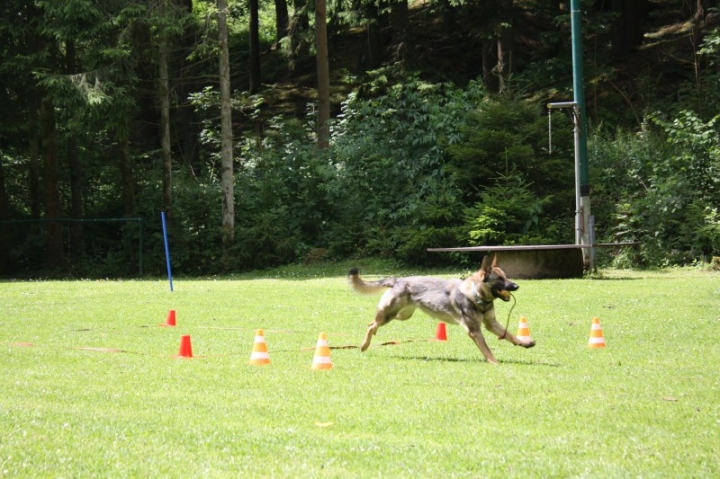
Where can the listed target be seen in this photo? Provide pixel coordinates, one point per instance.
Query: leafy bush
(662, 185)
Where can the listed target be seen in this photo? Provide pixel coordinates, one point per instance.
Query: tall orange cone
(441, 334)
(185, 347)
(321, 360)
(259, 353)
(170, 322)
(523, 333)
(596, 335)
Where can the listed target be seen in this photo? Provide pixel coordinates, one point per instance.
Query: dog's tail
(368, 287)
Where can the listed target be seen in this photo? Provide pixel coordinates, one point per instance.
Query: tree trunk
(503, 32)
(282, 20)
(4, 216)
(165, 129)
(401, 41)
(702, 7)
(628, 27)
(373, 54)
(76, 204)
(35, 165)
(323, 74)
(226, 134)
(127, 178)
(75, 247)
(254, 43)
(298, 23)
(53, 209)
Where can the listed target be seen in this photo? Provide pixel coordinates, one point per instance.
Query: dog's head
(493, 279)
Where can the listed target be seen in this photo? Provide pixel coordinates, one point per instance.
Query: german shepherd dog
(465, 302)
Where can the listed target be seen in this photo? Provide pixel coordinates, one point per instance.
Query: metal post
(581, 145)
(576, 133)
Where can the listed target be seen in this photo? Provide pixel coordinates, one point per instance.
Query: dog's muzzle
(505, 292)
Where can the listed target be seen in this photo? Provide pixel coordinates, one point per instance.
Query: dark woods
(113, 111)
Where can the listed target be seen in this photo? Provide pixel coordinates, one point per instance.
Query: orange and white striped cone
(321, 360)
(523, 333)
(259, 353)
(596, 335)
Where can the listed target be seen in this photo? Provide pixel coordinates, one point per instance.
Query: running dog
(465, 302)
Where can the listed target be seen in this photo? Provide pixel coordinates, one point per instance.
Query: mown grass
(90, 388)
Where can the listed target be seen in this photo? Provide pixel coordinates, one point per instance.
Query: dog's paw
(529, 344)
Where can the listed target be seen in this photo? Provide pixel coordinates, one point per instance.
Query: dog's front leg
(473, 330)
(492, 325)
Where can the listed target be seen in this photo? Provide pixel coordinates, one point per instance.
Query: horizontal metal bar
(562, 104)
(534, 247)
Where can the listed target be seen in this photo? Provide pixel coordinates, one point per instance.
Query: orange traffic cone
(523, 333)
(441, 334)
(321, 360)
(170, 322)
(259, 353)
(596, 335)
(185, 347)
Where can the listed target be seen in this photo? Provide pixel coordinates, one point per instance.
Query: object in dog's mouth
(505, 294)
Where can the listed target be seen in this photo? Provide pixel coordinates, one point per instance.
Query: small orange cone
(441, 334)
(185, 347)
(523, 333)
(321, 360)
(259, 353)
(170, 322)
(596, 335)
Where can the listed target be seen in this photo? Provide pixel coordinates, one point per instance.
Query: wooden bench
(539, 261)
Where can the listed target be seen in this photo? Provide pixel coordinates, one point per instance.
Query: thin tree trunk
(298, 23)
(504, 41)
(226, 134)
(400, 24)
(75, 248)
(254, 42)
(165, 129)
(323, 74)
(282, 20)
(4, 216)
(35, 165)
(127, 178)
(53, 210)
(76, 203)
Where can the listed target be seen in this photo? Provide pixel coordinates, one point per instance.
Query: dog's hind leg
(383, 317)
(380, 320)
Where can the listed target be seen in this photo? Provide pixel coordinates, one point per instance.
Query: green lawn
(90, 386)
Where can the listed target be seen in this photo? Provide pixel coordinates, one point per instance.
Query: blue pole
(167, 250)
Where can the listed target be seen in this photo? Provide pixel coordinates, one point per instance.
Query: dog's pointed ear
(494, 263)
(486, 266)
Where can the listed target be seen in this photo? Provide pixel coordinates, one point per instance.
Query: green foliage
(663, 185)
(390, 151)
(510, 213)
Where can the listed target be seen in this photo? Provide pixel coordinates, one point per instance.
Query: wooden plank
(533, 247)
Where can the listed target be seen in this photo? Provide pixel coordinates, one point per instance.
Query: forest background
(272, 133)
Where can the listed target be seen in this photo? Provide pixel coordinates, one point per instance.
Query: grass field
(89, 386)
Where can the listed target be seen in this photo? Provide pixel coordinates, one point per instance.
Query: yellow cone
(259, 353)
(321, 360)
(523, 333)
(596, 335)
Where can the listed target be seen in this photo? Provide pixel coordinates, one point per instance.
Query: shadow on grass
(523, 362)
